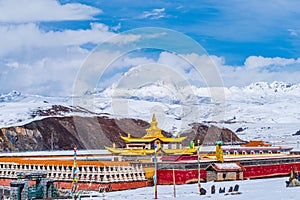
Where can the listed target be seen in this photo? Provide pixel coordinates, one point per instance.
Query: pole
(199, 184)
(75, 177)
(155, 174)
(52, 138)
(174, 183)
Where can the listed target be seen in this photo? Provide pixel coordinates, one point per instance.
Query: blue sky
(234, 29)
(44, 42)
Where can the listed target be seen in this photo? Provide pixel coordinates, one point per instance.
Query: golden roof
(183, 151)
(153, 133)
(148, 140)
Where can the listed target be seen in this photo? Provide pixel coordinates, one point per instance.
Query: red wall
(96, 186)
(88, 186)
(165, 176)
(269, 170)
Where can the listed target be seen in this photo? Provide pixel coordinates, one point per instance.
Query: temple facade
(153, 141)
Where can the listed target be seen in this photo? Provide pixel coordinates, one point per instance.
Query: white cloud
(293, 32)
(55, 73)
(192, 68)
(17, 11)
(253, 62)
(47, 62)
(174, 60)
(255, 69)
(258, 68)
(44, 62)
(241, 76)
(48, 75)
(20, 37)
(156, 13)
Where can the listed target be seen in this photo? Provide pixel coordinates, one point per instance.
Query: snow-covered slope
(18, 109)
(268, 111)
(259, 189)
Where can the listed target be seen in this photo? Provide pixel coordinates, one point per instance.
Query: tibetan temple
(153, 140)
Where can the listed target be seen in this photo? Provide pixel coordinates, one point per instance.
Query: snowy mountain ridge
(159, 91)
(168, 93)
(274, 88)
(262, 109)
(9, 96)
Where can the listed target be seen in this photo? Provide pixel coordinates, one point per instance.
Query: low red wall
(260, 171)
(5, 182)
(89, 186)
(109, 186)
(165, 176)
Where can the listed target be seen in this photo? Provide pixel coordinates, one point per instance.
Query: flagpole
(198, 154)
(155, 171)
(75, 177)
(174, 183)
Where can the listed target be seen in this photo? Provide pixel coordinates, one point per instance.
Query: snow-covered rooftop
(227, 166)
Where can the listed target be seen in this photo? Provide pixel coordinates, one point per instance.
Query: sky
(45, 43)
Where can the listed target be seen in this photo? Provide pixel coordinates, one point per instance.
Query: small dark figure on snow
(202, 191)
(230, 189)
(287, 183)
(213, 189)
(222, 190)
(236, 188)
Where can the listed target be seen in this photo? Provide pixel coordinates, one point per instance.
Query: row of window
(60, 168)
(148, 146)
(134, 176)
(252, 152)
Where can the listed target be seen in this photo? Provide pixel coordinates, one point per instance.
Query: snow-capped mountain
(20, 109)
(9, 96)
(263, 110)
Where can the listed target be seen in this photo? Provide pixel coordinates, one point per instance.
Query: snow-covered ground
(259, 189)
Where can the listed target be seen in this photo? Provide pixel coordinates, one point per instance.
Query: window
(224, 175)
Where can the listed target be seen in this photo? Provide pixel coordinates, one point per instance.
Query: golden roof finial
(153, 130)
(153, 118)
(154, 122)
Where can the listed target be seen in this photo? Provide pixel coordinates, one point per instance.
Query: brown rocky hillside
(58, 133)
(208, 135)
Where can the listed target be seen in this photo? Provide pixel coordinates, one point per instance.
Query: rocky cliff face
(208, 135)
(58, 133)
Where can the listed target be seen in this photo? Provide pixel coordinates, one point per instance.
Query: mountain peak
(9, 96)
(274, 87)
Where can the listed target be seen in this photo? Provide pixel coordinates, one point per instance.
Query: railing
(86, 173)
